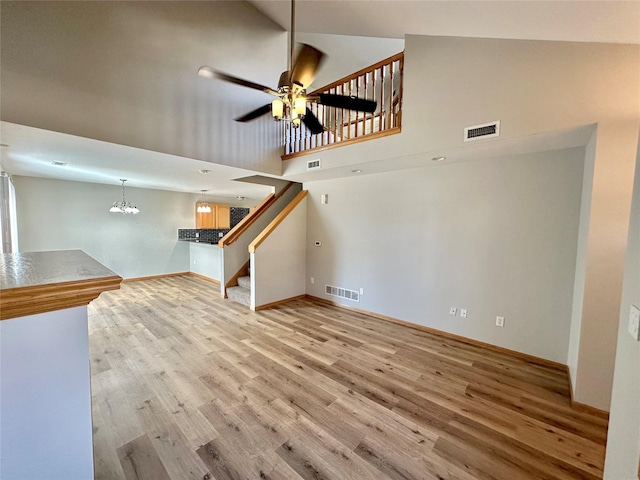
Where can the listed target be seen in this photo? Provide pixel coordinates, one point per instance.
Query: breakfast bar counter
(45, 413)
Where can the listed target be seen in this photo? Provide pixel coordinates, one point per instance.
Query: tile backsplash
(205, 234)
(237, 214)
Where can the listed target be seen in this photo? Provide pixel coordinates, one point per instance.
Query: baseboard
(202, 277)
(175, 274)
(279, 302)
(470, 341)
(582, 406)
(155, 277)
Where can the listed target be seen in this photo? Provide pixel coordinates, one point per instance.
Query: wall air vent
(313, 164)
(342, 293)
(486, 130)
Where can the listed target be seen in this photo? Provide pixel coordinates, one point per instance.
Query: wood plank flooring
(189, 386)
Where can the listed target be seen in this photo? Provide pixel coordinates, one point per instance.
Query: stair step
(240, 295)
(245, 282)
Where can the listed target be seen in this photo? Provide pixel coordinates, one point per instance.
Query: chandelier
(123, 206)
(203, 206)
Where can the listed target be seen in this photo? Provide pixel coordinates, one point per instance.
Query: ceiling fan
(292, 100)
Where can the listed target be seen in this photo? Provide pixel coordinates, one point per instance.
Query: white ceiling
(33, 151)
(343, 29)
(573, 20)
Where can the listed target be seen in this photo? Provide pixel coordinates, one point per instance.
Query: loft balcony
(381, 82)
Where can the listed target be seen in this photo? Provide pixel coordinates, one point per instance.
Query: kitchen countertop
(197, 240)
(39, 282)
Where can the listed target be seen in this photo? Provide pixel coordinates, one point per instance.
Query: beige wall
(278, 265)
(604, 260)
(497, 237)
(623, 441)
(126, 73)
(532, 87)
(581, 267)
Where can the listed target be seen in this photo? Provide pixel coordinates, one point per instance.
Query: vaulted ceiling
(110, 87)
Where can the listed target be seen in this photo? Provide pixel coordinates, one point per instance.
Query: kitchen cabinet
(218, 217)
(223, 216)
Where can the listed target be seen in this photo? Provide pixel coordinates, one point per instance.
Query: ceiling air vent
(313, 164)
(486, 130)
(59, 164)
(342, 293)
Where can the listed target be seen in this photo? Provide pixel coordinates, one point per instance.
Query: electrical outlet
(634, 322)
(194, 262)
(361, 291)
(313, 280)
(452, 311)
(197, 234)
(499, 321)
(463, 313)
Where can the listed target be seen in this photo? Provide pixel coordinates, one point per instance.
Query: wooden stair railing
(381, 82)
(247, 221)
(276, 221)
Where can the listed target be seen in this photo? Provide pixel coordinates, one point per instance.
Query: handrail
(337, 83)
(276, 221)
(381, 82)
(247, 221)
(233, 234)
(343, 143)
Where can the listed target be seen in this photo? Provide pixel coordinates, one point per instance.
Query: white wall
(623, 440)
(61, 215)
(497, 237)
(206, 260)
(278, 265)
(45, 414)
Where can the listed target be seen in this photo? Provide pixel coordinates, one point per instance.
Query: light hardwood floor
(189, 386)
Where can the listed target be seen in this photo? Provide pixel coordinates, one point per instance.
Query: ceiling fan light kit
(291, 104)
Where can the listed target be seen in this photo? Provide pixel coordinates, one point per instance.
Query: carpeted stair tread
(240, 295)
(245, 282)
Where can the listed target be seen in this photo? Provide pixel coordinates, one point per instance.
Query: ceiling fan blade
(312, 122)
(306, 65)
(348, 103)
(208, 72)
(258, 112)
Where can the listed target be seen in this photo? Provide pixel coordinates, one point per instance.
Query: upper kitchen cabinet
(223, 216)
(218, 217)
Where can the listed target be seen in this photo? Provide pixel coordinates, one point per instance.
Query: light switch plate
(634, 322)
(452, 311)
(463, 313)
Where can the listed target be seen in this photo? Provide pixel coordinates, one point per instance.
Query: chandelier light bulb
(203, 206)
(123, 206)
(300, 106)
(277, 109)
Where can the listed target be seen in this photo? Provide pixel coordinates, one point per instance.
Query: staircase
(242, 292)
